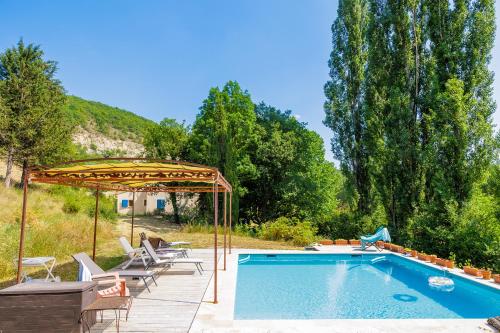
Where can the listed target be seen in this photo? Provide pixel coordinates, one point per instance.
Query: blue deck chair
(371, 240)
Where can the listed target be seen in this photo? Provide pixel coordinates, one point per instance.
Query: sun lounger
(157, 261)
(140, 254)
(96, 271)
(163, 244)
(382, 234)
(160, 246)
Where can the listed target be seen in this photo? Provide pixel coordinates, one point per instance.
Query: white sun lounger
(157, 261)
(140, 254)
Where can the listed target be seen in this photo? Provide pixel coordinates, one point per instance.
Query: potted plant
(407, 250)
(471, 270)
(423, 256)
(433, 258)
(380, 244)
(414, 253)
(486, 273)
(441, 262)
(326, 242)
(354, 242)
(341, 241)
(451, 262)
(387, 246)
(496, 277)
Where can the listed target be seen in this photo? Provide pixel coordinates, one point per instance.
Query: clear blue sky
(159, 58)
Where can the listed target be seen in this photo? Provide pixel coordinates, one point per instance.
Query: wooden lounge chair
(157, 261)
(96, 271)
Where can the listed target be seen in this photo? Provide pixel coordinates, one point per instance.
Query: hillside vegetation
(112, 122)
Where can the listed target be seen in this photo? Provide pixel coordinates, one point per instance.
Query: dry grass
(52, 232)
(157, 227)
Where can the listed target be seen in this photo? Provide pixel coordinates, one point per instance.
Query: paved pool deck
(219, 317)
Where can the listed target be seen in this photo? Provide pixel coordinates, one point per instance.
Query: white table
(45, 262)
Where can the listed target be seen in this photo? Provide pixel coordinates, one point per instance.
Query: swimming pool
(342, 286)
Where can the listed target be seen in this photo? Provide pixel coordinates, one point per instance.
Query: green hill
(112, 122)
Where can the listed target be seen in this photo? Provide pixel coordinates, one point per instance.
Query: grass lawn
(109, 252)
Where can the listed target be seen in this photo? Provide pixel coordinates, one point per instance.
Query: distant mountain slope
(113, 122)
(101, 128)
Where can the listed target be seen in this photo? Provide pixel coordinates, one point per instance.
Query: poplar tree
(344, 107)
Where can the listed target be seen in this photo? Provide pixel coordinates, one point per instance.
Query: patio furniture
(47, 263)
(164, 244)
(46, 307)
(157, 261)
(140, 254)
(371, 240)
(84, 260)
(160, 246)
(116, 303)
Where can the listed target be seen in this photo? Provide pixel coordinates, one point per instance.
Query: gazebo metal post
(23, 225)
(133, 214)
(216, 208)
(230, 217)
(95, 220)
(225, 226)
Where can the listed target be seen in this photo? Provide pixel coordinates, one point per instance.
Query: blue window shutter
(160, 204)
(124, 203)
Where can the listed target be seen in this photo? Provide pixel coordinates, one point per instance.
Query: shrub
(297, 232)
(71, 206)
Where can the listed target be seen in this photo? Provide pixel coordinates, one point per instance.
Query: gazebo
(134, 175)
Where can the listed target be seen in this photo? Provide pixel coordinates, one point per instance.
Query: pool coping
(220, 317)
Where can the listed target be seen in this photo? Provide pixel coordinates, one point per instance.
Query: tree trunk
(10, 163)
(25, 169)
(175, 206)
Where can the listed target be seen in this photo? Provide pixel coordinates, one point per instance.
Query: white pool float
(441, 283)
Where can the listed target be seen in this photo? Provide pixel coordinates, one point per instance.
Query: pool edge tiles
(327, 286)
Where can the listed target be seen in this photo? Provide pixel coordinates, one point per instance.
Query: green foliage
(293, 179)
(410, 105)
(32, 131)
(76, 200)
(111, 121)
(299, 233)
(222, 134)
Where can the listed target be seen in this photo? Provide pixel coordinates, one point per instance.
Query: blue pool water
(332, 286)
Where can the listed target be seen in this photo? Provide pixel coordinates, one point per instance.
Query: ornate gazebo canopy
(133, 175)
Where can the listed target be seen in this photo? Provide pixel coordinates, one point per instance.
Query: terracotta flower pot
(423, 256)
(401, 249)
(380, 244)
(485, 273)
(341, 242)
(441, 262)
(471, 271)
(355, 242)
(414, 253)
(387, 246)
(433, 258)
(450, 264)
(496, 277)
(326, 242)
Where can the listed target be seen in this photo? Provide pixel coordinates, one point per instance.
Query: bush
(71, 206)
(297, 232)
